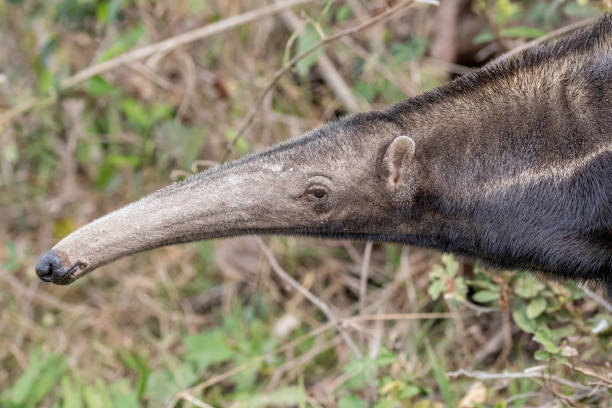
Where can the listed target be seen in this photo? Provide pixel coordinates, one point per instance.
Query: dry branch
(292, 344)
(149, 50)
(534, 372)
(193, 400)
(329, 72)
(327, 40)
(321, 305)
(598, 299)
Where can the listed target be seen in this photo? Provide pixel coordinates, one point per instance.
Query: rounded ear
(398, 159)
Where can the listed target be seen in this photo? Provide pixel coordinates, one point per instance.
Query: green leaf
(522, 32)
(542, 355)
(198, 6)
(365, 89)
(543, 336)
(576, 292)
(46, 81)
(113, 9)
(136, 113)
(485, 296)
(581, 10)
(307, 40)
(505, 10)
(92, 398)
(287, 396)
(177, 143)
(160, 111)
(387, 403)
(441, 276)
(98, 86)
(386, 357)
(536, 307)
(483, 37)
(122, 161)
(351, 401)
(440, 376)
(436, 289)
(140, 366)
(460, 289)
(451, 265)
(125, 42)
(163, 385)
(483, 282)
(343, 13)
(562, 332)
(411, 51)
(207, 348)
(98, 397)
(409, 391)
(36, 382)
(325, 14)
(107, 174)
(12, 262)
(528, 287)
(102, 13)
(123, 396)
(523, 321)
(107, 11)
(361, 372)
(71, 394)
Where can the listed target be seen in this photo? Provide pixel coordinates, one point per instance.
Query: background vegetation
(428, 330)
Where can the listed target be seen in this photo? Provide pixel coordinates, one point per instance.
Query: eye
(318, 193)
(315, 193)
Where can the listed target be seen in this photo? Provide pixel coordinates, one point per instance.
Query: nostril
(48, 265)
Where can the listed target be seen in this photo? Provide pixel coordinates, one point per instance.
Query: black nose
(50, 266)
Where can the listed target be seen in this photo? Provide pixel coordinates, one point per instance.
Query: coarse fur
(511, 164)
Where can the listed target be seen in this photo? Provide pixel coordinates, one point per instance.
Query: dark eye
(316, 192)
(319, 192)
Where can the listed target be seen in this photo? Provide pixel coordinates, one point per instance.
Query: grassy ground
(215, 323)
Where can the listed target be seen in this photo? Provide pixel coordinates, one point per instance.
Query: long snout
(213, 204)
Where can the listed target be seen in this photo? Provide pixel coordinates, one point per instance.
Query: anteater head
(347, 179)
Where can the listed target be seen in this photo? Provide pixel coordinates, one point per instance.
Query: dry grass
(351, 298)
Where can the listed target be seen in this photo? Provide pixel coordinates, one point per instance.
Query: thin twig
(395, 317)
(296, 363)
(603, 302)
(285, 68)
(479, 309)
(363, 283)
(179, 40)
(326, 66)
(556, 33)
(313, 333)
(321, 305)
(591, 373)
(149, 50)
(483, 375)
(190, 398)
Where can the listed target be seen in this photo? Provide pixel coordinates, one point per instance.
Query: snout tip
(51, 269)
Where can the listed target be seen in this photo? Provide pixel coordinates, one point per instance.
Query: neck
(504, 175)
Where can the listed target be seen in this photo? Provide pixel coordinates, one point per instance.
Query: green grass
(210, 321)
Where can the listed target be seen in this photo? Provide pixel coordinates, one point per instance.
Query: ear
(398, 159)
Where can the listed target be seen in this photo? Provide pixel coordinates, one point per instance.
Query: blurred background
(215, 323)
